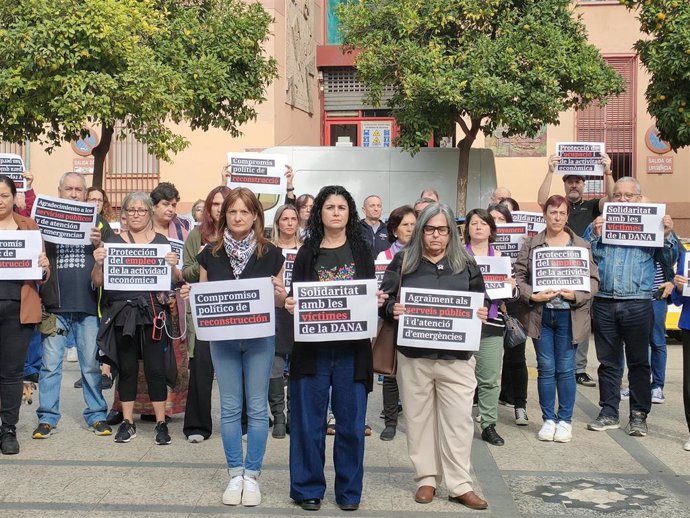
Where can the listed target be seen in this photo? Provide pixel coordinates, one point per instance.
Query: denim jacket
(627, 272)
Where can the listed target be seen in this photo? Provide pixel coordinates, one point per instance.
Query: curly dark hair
(484, 215)
(353, 231)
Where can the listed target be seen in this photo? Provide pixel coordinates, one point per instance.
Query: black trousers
(153, 354)
(514, 377)
(197, 416)
(686, 375)
(14, 342)
(391, 396)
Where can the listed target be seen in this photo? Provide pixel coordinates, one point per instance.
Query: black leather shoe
(310, 504)
(348, 507)
(388, 433)
(490, 435)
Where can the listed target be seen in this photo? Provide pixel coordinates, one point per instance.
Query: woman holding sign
(20, 311)
(241, 251)
(135, 326)
(437, 385)
(556, 319)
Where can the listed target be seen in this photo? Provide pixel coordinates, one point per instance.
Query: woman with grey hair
(127, 325)
(436, 385)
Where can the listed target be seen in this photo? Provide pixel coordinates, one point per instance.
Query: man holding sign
(622, 315)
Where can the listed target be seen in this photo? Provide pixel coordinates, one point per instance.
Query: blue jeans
(233, 359)
(556, 365)
(34, 355)
(84, 327)
(335, 368)
(657, 344)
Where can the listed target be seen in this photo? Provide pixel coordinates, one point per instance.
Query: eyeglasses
(137, 212)
(442, 231)
(625, 196)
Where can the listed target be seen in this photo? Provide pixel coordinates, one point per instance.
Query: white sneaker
(233, 493)
(625, 393)
(72, 355)
(686, 446)
(195, 438)
(548, 429)
(251, 495)
(658, 396)
(564, 432)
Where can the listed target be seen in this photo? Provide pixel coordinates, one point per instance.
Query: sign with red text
(496, 271)
(19, 250)
(534, 220)
(556, 268)
(380, 267)
(335, 310)
(136, 267)
(290, 254)
(509, 239)
(633, 224)
(233, 310)
(440, 319)
(12, 166)
(260, 172)
(63, 221)
(580, 158)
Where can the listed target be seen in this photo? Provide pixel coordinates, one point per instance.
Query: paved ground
(74, 473)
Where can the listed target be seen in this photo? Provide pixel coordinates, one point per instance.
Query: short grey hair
(143, 197)
(64, 177)
(372, 196)
(630, 179)
(424, 200)
(458, 258)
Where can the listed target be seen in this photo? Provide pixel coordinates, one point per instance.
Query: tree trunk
(100, 152)
(464, 147)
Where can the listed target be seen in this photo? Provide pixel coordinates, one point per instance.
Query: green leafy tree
(65, 64)
(666, 55)
(478, 63)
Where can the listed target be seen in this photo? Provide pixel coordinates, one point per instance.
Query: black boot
(276, 401)
(8, 440)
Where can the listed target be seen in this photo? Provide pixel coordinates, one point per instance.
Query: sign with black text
(136, 267)
(509, 239)
(12, 165)
(62, 221)
(633, 224)
(380, 267)
(556, 268)
(534, 221)
(260, 172)
(177, 246)
(290, 254)
(336, 310)
(233, 310)
(580, 158)
(19, 251)
(440, 319)
(495, 272)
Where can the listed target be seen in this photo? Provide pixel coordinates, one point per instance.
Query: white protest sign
(440, 319)
(556, 268)
(19, 250)
(136, 267)
(336, 310)
(495, 271)
(177, 246)
(64, 221)
(580, 158)
(633, 224)
(12, 165)
(534, 221)
(380, 267)
(232, 310)
(509, 239)
(290, 254)
(260, 172)
(686, 265)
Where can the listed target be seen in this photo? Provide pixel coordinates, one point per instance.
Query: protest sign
(336, 310)
(580, 158)
(19, 250)
(509, 239)
(556, 268)
(233, 310)
(12, 166)
(440, 319)
(259, 172)
(177, 246)
(534, 221)
(62, 221)
(290, 254)
(495, 271)
(633, 224)
(686, 288)
(380, 266)
(136, 267)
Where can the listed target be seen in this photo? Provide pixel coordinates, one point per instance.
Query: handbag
(383, 345)
(514, 333)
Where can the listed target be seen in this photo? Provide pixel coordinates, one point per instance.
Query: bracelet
(290, 189)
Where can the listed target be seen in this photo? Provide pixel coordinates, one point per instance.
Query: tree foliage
(478, 63)
(666, 55)
(141, 63)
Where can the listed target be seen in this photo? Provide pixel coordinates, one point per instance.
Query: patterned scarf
(240, 251)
